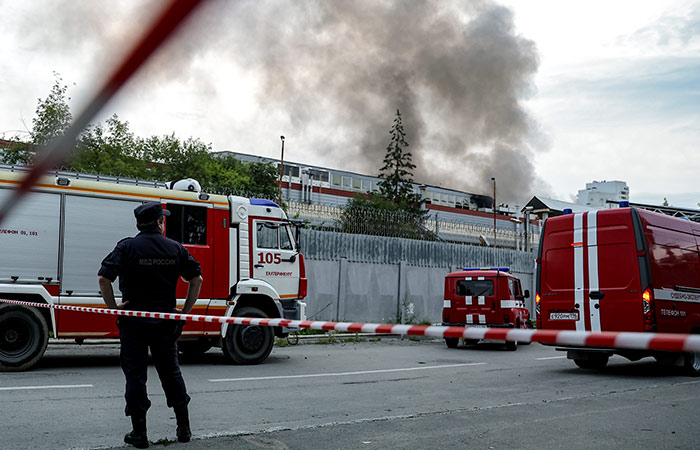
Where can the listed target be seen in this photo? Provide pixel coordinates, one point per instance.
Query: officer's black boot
(137, 437)
(184, 434)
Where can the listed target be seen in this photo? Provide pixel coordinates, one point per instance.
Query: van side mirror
(526, 294)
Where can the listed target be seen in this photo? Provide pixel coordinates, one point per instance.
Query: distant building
(318, 185)
(598, 193)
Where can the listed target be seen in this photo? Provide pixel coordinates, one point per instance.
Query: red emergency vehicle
(53, 244)
(491, 297)
(623, 269)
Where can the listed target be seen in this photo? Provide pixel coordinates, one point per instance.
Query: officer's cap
(149, 212)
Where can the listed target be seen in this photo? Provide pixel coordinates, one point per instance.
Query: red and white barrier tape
(627, 340)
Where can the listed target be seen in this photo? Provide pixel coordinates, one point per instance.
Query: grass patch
(309, 331)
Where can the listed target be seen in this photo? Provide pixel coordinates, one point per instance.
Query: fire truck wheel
(451, 342)
(692, 363)
(194, 348)
(592, 362)
(248, 344)
(24, 336)
(511, 346)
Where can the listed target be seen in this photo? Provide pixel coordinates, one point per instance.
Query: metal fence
(403, 225)
(332, 246)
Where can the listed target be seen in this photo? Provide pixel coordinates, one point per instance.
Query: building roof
(554, 207)
(689, 213)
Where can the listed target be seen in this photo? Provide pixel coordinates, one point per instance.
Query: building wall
(598, 193)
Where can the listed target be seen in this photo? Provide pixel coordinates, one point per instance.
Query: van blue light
(568, 211)
(263, 202)
(500, 269)
(624, 204)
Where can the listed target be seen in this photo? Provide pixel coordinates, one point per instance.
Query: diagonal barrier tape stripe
(609, 339)
(57, 151)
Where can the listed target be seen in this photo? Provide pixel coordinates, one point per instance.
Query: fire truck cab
(491, 297)
(623, 269)
(54, 241)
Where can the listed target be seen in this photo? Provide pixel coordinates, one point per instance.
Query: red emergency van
(623, 269)
(490, 297)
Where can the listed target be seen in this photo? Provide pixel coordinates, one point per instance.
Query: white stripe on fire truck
(447, 304)
(511, 304)
(578, 270)
(593, 283)
(678, 342)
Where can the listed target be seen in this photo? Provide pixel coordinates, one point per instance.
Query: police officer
(148, 266)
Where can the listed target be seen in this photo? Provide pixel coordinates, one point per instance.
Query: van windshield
(475, 288)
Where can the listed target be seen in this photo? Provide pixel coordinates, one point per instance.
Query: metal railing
(400, 224)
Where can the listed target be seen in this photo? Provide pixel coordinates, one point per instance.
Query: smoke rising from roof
(457, 71)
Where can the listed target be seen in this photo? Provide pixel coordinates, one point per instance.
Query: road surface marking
(340, 374)
(27, 388)
(551, 357)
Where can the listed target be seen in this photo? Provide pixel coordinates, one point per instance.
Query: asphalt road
(392, 394)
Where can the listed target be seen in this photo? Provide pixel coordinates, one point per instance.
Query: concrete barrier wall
(392, 291)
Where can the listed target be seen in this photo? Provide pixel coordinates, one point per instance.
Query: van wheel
(592, 362)
(248, 344)
(691, 362)
(451, 342)
(24, 336)
(511, 346)
(525, 326)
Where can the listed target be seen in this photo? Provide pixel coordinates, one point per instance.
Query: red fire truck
(53, 243)
(623, 269)
(489, 297)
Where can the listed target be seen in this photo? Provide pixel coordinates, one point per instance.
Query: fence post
(342, 288)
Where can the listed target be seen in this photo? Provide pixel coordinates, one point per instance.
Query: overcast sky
(545, 96)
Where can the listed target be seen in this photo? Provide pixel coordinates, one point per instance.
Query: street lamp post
(526, 212)
(494, 211)
(281, 171)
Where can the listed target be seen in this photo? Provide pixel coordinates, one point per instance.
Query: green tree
(52, 114)
(113, 149)
(397, 171)
(396, 209)
(18, 152)
(52, 119)
(379, 216)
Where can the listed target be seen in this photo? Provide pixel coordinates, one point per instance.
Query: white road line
(550, 357)
(27, 388)
(340, 374)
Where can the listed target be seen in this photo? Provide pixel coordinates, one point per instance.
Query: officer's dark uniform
(148, 266)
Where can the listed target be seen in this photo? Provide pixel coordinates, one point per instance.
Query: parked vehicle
(490, 297)
(54, 242)
(623, 269)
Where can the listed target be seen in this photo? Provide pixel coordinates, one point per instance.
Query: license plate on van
(563, 316)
